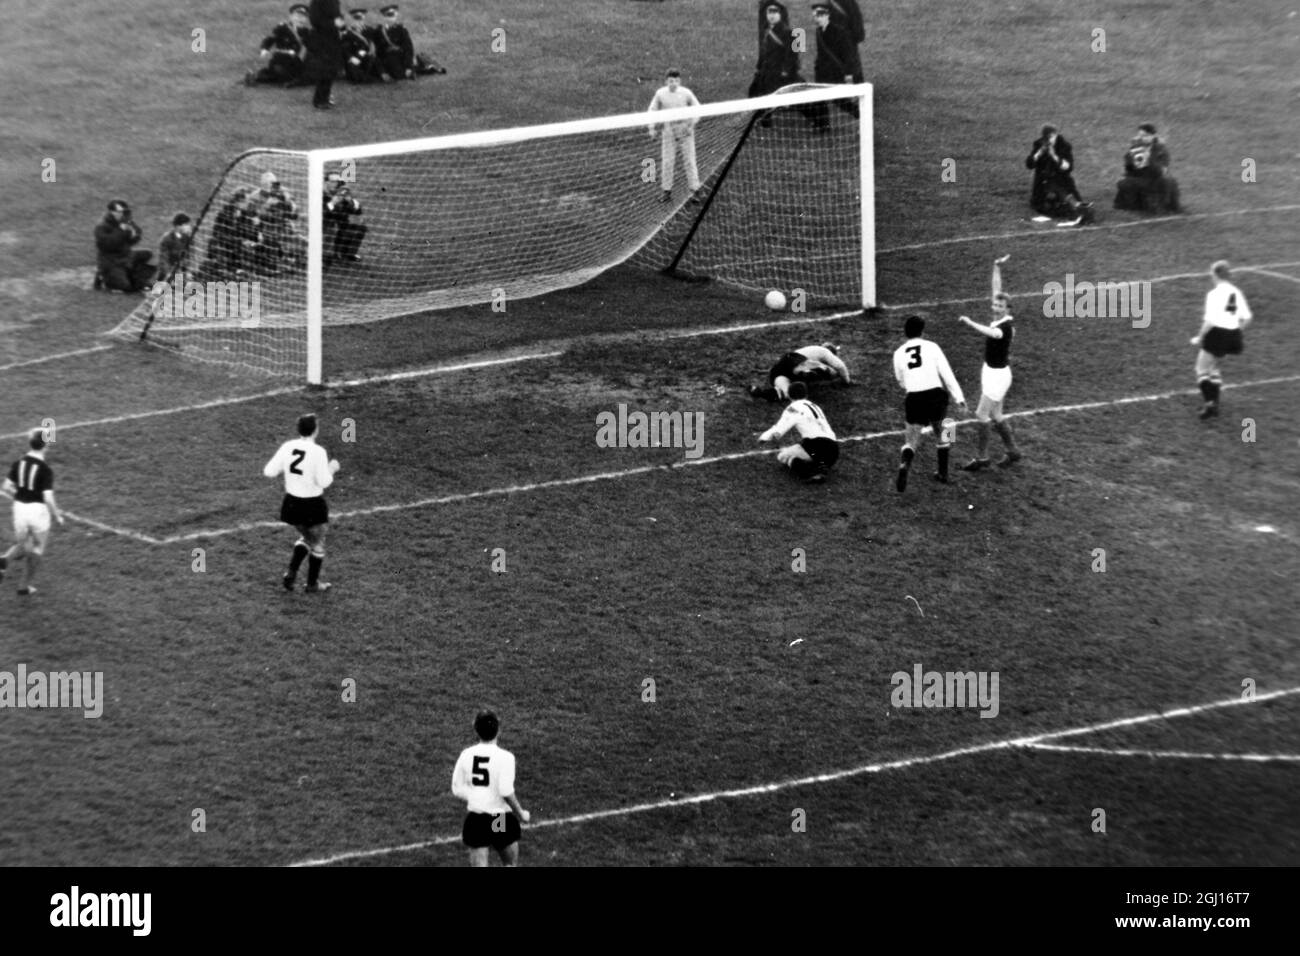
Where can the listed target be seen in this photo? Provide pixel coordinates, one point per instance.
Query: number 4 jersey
(484, 777)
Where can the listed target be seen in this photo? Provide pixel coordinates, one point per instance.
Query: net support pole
(867, 192)
(722, 178)
(315, 262)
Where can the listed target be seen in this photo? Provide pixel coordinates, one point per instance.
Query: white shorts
(995, 383)
(30, 518)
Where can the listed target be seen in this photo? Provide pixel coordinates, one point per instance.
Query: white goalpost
(271, 282)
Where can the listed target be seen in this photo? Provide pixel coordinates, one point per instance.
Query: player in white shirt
(484, 778)
(812, 363)
(1226, 315)
(817, 449)
(679, 135)
(922, 369)
(308, 471)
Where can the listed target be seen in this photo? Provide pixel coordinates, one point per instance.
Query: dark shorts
(478, 833)
(823, 451)
(304, 512)
(1220, 342)
(925, 408)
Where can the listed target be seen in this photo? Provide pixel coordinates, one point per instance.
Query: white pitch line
(1167, 754)
(532, 356)
(441, 370)
(669, 466)
(937, 303)
(99, 525)
(1266, 272)
(54, 358)
(1016, 743)
(1181, 217)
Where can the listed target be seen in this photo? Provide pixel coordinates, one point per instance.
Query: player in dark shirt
(995, 381)
(31, 482)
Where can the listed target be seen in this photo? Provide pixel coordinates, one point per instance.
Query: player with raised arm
(31, 482)
(995, 382)
(818, 449)
(1226, 315)
(484, 777)
(922, 369)
(308, 471)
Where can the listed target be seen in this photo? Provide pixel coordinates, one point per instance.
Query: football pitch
(696, 659)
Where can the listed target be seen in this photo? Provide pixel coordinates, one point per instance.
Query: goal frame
(317, 160)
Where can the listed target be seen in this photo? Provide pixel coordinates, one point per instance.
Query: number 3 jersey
(305, 466)
(484, 777)
(920, 365)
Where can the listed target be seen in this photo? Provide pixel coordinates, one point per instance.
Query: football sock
(1214, 392)
(1004, 429)
(300, 552)
(313, 570)
(908, 455)
(982, 440)
(1207, 389)
(943, 460)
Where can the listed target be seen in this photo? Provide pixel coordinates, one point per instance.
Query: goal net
(294, 246)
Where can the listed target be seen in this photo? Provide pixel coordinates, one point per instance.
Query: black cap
(299, 8)
(180, 219)
(118, 205)
(1147, 128)
(821, 6)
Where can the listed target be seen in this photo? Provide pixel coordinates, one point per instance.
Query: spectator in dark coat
(324, 49)
(1147, 185)
(119, 265)
(778, 63)
(1054, 192)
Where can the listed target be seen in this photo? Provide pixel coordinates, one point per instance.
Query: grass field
(772, 686)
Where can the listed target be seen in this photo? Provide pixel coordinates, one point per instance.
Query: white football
(775, 300)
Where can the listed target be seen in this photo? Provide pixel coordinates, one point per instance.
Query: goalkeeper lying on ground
(812, 363)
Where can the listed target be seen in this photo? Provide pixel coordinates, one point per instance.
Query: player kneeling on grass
(484, 778)
(308, 471)
(812, 363)
(31, 482)
(922, 369)
(995, 382)
(818, 448)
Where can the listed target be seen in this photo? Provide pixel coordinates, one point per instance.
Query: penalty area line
(1015, 743)
(1166, 754)
(672, 466)
(54, 358)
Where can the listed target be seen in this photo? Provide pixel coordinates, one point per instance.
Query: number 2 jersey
(484, 777)
(305, 466)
